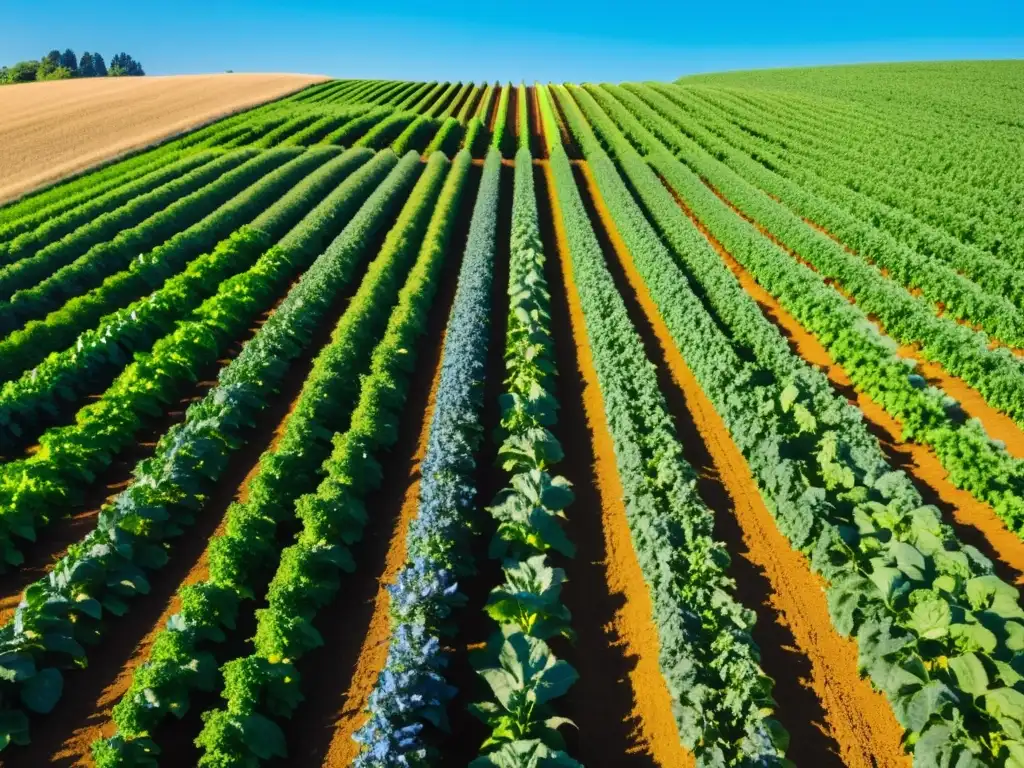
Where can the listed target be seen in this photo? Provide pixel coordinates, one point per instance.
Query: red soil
(631, 631)
(974, 521)
(858, 722)
(339, 677)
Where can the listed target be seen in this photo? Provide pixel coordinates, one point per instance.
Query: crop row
(904, 171)
(61, 612)
(36, 488)
(996, 373)
(849, 213)
(183, 178)
(935, 281)
(206, 193)
(721, 699)
(29, 402)
(28, 347)
(973, 461)
(937, 632)
(520, 668)
(55, 227)
(242, 561)
(266, 685)
(411, 692)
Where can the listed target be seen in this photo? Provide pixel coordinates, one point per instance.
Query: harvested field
(52, 130)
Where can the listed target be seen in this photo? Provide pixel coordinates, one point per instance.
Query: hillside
(53, 129)
(402, 423)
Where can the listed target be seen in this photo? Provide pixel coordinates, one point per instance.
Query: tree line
(62, 66)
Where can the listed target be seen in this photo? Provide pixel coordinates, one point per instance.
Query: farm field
(50, 130)
(401, 423)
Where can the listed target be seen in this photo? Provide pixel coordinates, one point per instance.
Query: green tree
(24, 71)
(99, 66)
(123, 65)
(69, 61)
(85, 65)
(59, 73)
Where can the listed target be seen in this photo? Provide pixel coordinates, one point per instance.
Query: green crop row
(34, 489)
(521, 670)
(109, 565)
(265, 685)
(26, 348)
(411, 691)
(197, 195)
(243, 559)
(938, 633)
(99, 352)
(974, 462)
(721, 699)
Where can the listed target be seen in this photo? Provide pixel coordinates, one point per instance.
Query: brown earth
(630, 630)
(998, 425)
(53, 129)
(602, 702)
(974, 521)
(357, 634)
(858, 726)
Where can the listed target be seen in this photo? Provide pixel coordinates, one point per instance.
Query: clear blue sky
(551, 40)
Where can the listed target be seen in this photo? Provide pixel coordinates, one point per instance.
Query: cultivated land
(689, 413)
(51, 130)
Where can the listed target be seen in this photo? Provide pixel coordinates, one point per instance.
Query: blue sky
(552, 40)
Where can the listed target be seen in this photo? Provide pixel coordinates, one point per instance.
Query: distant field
(402, 423)
(51, 130)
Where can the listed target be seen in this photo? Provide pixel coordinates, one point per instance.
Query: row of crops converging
(405, 424)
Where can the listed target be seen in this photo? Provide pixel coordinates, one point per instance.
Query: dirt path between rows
(611, 632)
(538, 147)
(337, 678)
(832, 714)
(998, 425)
(492, 118)
(54, 129)
(618, 610)
(974, 521)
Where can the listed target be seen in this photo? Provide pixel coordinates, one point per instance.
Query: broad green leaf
(931, 619)
(1005, 702)
(970, 673)
(41, 692)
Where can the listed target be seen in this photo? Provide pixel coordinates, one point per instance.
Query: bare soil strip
(616, 648)
(998, 425)
(632, 630)
(493, 116)
(512, 121)
(337, 678)
(974, 521)
(53, 129)
(834, 716)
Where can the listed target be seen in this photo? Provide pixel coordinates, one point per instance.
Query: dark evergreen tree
(99, 66)
(85, 65)
(69, 61)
